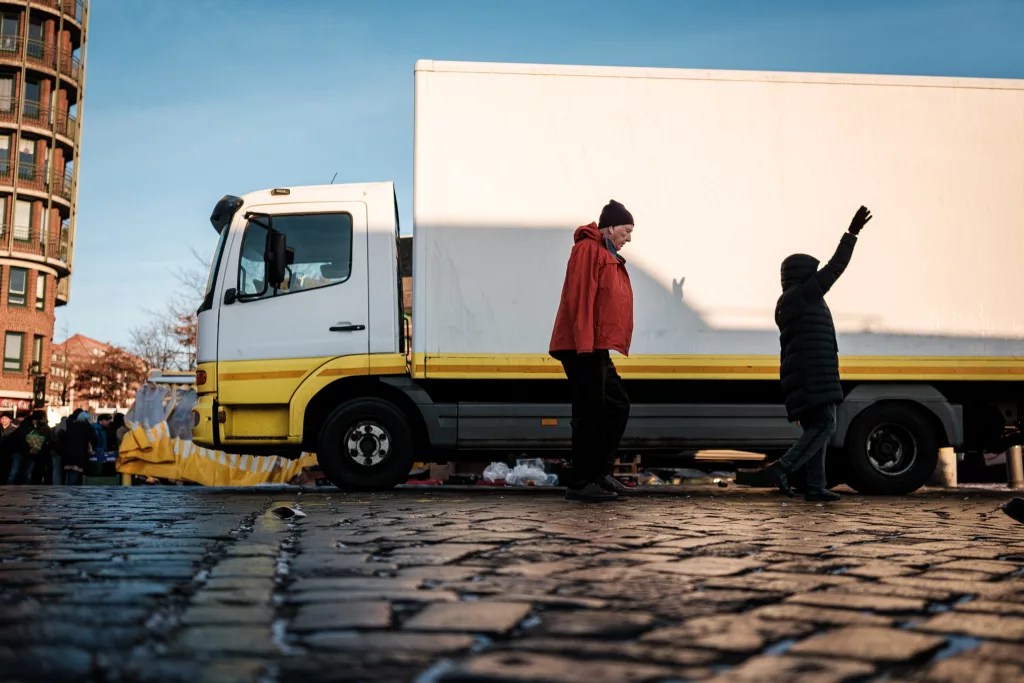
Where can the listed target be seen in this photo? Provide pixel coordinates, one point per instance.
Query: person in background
(7, 429)
(20, 471)
(38, 440)
(102, 427)
(118, 428)
(80, 437)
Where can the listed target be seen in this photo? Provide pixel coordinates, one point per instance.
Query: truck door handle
(345, 327)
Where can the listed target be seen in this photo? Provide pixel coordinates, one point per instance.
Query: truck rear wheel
(366, 445)
(892, 449)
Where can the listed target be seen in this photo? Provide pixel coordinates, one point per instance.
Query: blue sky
(188, 100)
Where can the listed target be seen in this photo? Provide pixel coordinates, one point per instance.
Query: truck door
(270, 338)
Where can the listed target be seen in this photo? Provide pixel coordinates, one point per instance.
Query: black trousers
(600, 410)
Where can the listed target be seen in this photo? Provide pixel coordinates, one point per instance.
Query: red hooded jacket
(596, 309)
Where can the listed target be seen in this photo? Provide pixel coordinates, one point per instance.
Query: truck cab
(303, 291)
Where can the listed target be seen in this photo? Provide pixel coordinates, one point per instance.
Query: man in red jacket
(595, 316)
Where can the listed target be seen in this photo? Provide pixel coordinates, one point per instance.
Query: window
(9, 32)
(22, 219)
(6, 92)
(16, 281)
(27, 158)
(12, 351)
(323, 253)
(37, 353)
(40, 291)
(36, 45)
(5, 154)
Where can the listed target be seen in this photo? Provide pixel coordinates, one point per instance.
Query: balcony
(71, 67)
(19, 240)
(74, 9)
(66, 125)
(25, 243)
(63, 184)
(39, 54)
(35, 114)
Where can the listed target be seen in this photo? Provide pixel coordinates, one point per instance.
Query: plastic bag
(530, 472)
(180, 420)
(496, 471)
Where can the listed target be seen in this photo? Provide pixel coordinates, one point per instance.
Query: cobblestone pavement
(192, 584)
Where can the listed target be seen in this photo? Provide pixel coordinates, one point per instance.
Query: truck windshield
(211, 279)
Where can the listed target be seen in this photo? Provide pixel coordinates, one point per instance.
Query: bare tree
(110, 378)
(153, 344)
(169, 340)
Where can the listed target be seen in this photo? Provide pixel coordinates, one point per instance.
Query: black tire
(891, 449)
(366, 445)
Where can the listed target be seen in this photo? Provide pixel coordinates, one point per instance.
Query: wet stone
(255, 567)
(982, 566)
(342, 615)
(704, 566)
(871, 644)
(45, 663)
(729, 633)
(961, 669)
(813, 614)
(803, 669)
(245, 640)
(394, 595)
(240, 598)
(472, 617)
(512, 666)
(392, 642)
(979, 625)
(209, 615)
(238, 583)
(69, 633)
(356, 583)
(442, 553)
(860, 601)
(601, 624)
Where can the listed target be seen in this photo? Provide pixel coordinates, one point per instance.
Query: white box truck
(302, 342)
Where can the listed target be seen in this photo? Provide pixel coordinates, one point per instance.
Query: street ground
(193, 584)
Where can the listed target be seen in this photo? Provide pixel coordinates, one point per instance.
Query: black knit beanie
(614, 214)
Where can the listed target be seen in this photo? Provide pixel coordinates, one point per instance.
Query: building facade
(69, 360)
(42, 75)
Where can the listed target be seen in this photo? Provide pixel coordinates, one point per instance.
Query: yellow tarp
(153, 453)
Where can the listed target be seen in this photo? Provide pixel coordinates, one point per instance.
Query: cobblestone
(192, 585)
(871, 644)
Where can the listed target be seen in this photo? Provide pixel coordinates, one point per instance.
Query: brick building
(42, 73)
(79, 352)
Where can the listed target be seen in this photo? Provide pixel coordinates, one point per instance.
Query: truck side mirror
(277, 257)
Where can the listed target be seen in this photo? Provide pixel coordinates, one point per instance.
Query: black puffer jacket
(810, 354)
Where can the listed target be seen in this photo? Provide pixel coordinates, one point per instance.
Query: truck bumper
(204, 424)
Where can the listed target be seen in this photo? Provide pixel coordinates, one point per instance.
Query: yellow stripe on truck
(764, 367)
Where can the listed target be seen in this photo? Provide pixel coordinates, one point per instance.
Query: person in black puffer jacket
(810, 361)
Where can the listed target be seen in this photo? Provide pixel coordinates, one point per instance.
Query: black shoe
(610, 483)
(590, 493)
(776, 473)
(821, 496)
(1014, 509)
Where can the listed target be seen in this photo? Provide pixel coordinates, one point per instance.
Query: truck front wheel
(365, 445)
(892, 449)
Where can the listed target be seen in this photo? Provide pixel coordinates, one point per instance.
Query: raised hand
(860, 219)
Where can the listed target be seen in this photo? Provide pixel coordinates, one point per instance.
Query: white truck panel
(726, 173)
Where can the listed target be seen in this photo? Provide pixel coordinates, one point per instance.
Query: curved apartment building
(42, 74)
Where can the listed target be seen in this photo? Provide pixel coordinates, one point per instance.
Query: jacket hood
(797, 269)
(588, 232)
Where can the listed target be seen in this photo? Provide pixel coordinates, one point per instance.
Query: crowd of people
(31, 452)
